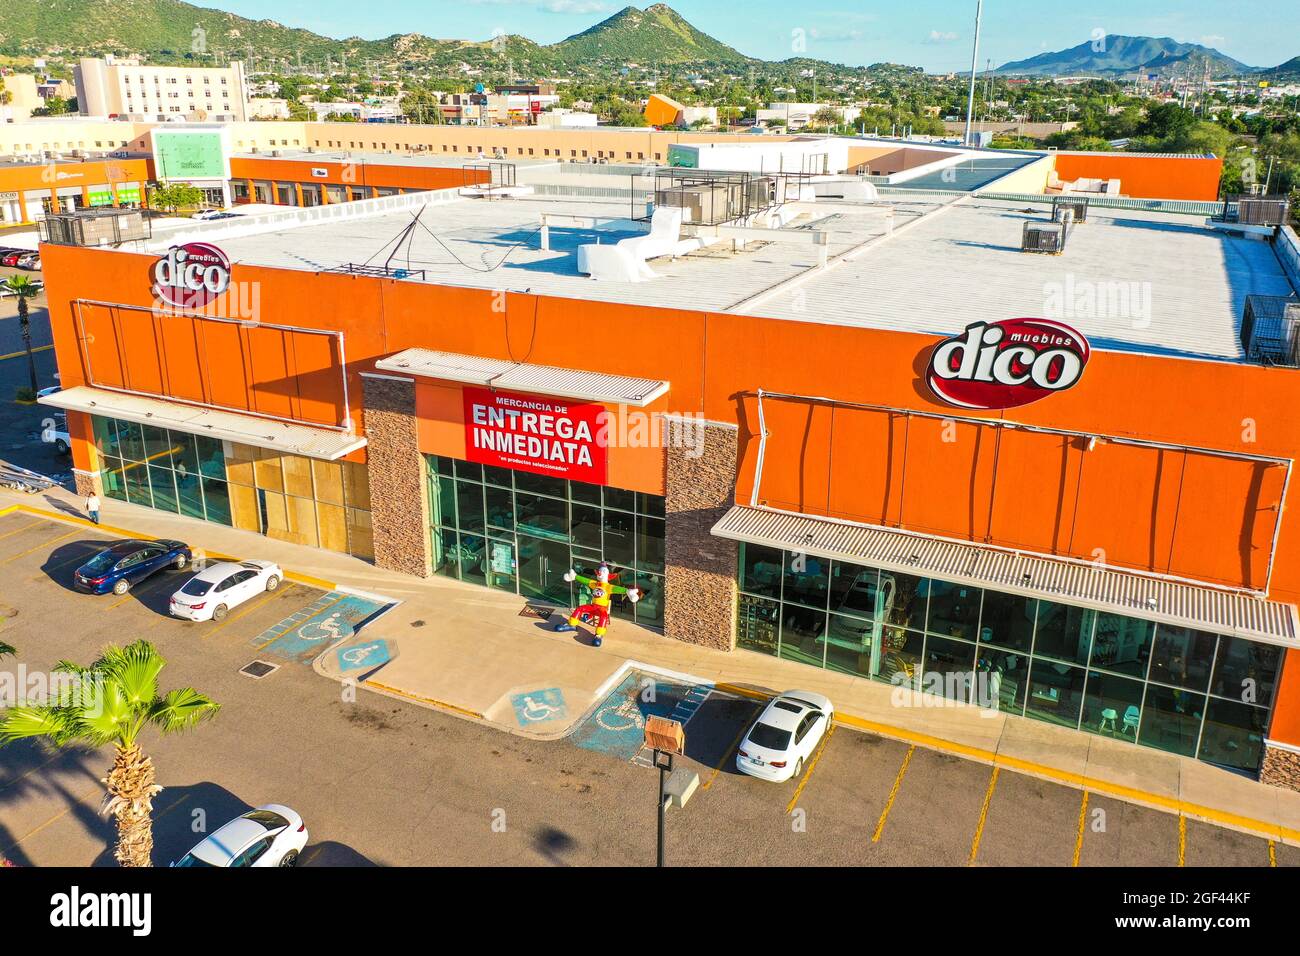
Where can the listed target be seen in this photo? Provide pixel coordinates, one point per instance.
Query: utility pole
(974, 62)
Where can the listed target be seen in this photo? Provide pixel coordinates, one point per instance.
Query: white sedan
(210, 594)
(272, 835)
(785, 735)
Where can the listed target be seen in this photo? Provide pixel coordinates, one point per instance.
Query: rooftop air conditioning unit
(1044, 237)
(1270, 330)
(1078, 205)
(1262, 210)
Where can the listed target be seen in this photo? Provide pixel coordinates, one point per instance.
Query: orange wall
(1146, 176)
(354, 174)
(1201, 517)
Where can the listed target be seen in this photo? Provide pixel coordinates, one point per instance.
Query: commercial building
(874, 437)
(30, 191)
(113, 87)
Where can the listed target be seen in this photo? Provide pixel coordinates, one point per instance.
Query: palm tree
(7, 650)
(111, 702)
(24, 289)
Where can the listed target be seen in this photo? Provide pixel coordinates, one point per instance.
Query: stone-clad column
(1281, 765)
(700, 569)
(399, 500)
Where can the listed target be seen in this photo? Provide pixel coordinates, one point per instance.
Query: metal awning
(289, 437)
(1104, 589)
(521, 377)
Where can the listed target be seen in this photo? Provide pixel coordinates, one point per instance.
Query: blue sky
(934, 34)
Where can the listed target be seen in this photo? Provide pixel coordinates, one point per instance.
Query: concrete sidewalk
(477, 653)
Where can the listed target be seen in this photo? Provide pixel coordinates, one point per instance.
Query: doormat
(542, 611)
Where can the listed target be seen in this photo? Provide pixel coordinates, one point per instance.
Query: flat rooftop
(1132, 281)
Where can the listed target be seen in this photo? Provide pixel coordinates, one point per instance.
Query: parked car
(214, 591)
(10, 257)
(209, 214)
(272, 835)
(121, 566)
(31, 262)
(785, 735)
(57, 434)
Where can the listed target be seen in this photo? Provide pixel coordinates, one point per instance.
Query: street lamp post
(666, 738)
(974, 61)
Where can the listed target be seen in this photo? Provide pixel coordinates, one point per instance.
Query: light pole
(974, 61)
(666, 737)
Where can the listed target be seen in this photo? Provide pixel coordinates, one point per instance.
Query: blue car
(127, 563)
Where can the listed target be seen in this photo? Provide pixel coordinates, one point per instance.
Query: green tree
(112, 702)
(23, 288)
(173, 196)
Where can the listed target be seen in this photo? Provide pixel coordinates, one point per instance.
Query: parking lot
(379, 781)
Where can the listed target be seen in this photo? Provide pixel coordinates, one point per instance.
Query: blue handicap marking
(616, 725)
(365, 656)
(327, 620)
(538, 706)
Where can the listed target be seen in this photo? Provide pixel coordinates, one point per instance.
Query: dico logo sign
(1007, 363)
(191, 276)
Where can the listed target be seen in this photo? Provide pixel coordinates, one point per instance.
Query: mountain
(1120, 54)
(1288, 70)
(658, 34)
(171, 31)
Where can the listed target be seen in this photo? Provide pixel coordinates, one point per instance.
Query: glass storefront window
(1122, 644)
(1006, 676)
(1113, 705)
(949, 667)
(760, 570)
(1233, 735)
(954, 609)
(805, 579)
(1064, 632)
(904, 597)
(216, 501)
(900, 656)
(1246, 671)
(854, 589)
(852, 645)
(802, 630)
(1055, 692)
(521, 532)
(1182, 657)
(1171, 719)
(758, 624)
(1007, 620)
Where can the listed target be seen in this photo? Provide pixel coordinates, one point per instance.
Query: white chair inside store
(1131, 719)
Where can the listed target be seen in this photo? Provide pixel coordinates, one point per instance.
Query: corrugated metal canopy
(1172, 602)
(520, 377)
(289, 437)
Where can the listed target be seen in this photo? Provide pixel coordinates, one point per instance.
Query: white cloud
(937, 36)
(835, 35)
(1212, 39)
(566, 7)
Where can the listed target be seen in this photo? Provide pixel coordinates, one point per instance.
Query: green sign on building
(189, 155)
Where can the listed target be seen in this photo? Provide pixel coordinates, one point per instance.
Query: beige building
(112, 87)
(19, 97)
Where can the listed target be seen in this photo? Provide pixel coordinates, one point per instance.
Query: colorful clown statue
(596, 612)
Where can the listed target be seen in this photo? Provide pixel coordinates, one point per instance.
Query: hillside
(172, 31)
(1123, 54)
(1288, 70)
(657, 34)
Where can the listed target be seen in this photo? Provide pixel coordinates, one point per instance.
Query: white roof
(521, 377)
(1130, 280)
(1120, 592)
(291, 437)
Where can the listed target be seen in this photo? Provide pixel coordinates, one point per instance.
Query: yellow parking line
(41, 766)
(984, 815)
(15, 557)
(725, 755)
(807, 774)
(231, 619)
(893, 793)
(1182, 840)
(35, 349)
(1083, 820)
(1272, 853)
(25, 527)
(54, 819)
(174, 805)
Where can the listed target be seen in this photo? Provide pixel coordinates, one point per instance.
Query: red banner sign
(547, 436)
(1006, 364)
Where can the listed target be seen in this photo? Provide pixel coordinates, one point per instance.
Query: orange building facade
(1153, 488)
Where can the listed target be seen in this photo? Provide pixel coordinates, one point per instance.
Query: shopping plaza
(861, 424)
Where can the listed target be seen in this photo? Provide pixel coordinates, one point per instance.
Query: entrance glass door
(542, 564)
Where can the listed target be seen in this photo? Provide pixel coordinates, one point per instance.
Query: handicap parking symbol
(537, 706)
(330, 628)
(366, 656)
